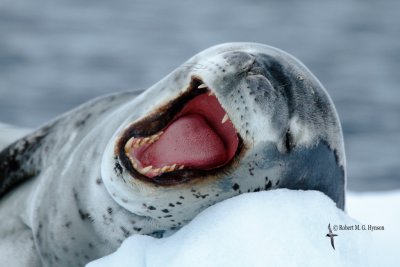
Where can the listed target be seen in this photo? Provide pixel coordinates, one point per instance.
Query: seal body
(74, 189)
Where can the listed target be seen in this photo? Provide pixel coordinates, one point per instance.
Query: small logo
(331, 236)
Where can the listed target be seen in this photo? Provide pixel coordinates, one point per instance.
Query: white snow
(274, 228)
(379, 208)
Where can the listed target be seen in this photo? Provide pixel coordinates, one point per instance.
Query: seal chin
(187, 138)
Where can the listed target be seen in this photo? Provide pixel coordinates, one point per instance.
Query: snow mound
(379, 209)
(274, 228)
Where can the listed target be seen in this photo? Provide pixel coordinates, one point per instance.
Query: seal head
(235, 118)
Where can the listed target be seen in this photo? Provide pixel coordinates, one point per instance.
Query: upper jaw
(144, 132)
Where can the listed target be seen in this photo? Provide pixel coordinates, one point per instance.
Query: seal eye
(289, 142)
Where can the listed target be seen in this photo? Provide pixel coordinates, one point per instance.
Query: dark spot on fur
(137, 229)
(118, 168)
(171, 205)
(235, 187)
(151, 208)
(83, 215)
(178, 203)
(158, 234)
(76, 197)
(109, 210)
(99, 181)
(90, 245)
(165, 210)
(168, 216)
(268, 185)
(251, 171)
(68, 224)
(181, 197)
(82, 122)
(125, 231)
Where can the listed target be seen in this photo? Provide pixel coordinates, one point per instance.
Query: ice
(274, 228)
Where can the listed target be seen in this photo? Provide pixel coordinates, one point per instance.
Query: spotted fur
(66, 199)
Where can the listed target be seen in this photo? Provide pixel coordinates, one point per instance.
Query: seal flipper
(17, 161)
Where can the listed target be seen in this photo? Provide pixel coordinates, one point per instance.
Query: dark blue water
(55, 55)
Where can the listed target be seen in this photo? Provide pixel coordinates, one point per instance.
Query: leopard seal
(235, 118)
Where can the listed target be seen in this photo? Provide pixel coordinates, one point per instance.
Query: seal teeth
(138, 142)
(135, 165)
(202, 86)
(168, 168)
(211, 93)
(146, 170)
(155, 137)
(165, 168)
(173, 167)
(225, 118)
(128, 145)
(156, 171)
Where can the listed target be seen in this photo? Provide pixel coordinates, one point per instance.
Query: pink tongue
(188, 141)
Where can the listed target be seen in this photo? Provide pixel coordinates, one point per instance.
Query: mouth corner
(189, 138)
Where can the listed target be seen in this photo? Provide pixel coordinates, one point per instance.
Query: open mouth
(190, 137)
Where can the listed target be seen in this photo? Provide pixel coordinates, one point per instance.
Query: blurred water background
(55, 55)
